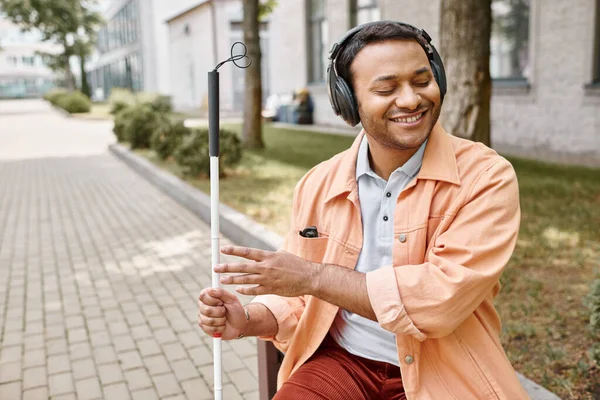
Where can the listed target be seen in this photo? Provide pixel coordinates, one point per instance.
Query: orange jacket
(456, 226)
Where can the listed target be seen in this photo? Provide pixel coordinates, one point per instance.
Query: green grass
(557, 255)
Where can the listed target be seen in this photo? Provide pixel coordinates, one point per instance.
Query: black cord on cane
(236, 58)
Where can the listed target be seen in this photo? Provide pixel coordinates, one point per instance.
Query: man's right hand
(221, 312)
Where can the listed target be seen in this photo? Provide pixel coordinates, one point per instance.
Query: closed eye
(384, 92)
(422, 84)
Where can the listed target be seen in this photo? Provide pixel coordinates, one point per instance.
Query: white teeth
(408, 120)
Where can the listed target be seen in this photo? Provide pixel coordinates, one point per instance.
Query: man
(390, 295)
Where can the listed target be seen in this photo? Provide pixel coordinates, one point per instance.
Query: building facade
(132, 50)
(23, 73)
(544, 65)
(200, 38)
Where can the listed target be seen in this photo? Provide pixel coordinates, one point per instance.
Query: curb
(238, 227)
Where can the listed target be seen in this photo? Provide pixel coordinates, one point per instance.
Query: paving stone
(88, 389)
(196, 389)
(10, 372)
(254, 395)
(11, 353)
(230, 392)
(10, 390)
(61, 383)
(138, 379)
(243, 380)
(34, 377)
(201, 355)
(105, 355)
(124, 343)
(166, 384)
(34, 358)
(174, 351)
(148, 347)
(184, 369)
(84, 368)
(110, 373)
(118, 391)
(58, 363)
(157, 364)
(39, 393)
(130, 360)
(145, 394)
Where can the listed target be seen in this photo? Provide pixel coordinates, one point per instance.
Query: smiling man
(385, 285)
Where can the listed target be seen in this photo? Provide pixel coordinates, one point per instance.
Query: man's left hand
(279, 273)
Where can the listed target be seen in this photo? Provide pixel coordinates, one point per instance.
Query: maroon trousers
(334, 374)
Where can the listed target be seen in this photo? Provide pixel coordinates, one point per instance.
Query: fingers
(245, 252)
(243, 268)
(247, 279)
(216, 297)
(213, 322)
(210, 297)
(210, 330)
(252, 290)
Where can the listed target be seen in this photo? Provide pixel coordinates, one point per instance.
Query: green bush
(53, 95)
(193, 154)
(158, 102)
(165, 141)
(122, 118)
(119, 99)
(74, 102)
(142, 122)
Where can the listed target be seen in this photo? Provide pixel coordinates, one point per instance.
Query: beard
(379, 130)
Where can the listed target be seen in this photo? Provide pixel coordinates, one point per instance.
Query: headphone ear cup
(331, 89)
(346, 102)
(438, 72)
(440, 78)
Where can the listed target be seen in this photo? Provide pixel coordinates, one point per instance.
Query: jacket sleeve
(287, 310)
(432, 299)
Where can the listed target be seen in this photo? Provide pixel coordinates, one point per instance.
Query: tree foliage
(70, 23)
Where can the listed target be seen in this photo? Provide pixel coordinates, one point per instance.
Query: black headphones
(340, 92)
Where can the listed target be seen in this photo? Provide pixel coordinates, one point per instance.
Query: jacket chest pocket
(312, 249)
(409, 245)
(412, 244)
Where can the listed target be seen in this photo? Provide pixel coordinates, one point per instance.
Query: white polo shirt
(358, 335)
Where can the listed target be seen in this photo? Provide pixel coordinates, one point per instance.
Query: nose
(408, 99)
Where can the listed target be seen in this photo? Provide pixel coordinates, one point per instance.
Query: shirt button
(409, 359)
(385, 218)
(402, 238)
(388, 194)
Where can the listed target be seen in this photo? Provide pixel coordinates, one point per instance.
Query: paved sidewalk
(99, 273)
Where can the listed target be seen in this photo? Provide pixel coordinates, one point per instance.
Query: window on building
(11, 60)
(509, 44)
(318, 36)
(364, 11)
(27, 60)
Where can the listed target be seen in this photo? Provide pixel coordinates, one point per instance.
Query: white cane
(213, 141)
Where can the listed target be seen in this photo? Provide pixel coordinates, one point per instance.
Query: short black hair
(374, 33)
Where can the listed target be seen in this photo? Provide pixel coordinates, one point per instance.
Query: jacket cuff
(382, 288)
(284, 309)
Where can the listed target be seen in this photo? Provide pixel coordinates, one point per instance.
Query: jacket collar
(439, 163)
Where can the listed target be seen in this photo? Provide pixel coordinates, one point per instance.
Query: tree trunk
(69, 79)
(465, 31)
(252, 131)
(85, 87)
